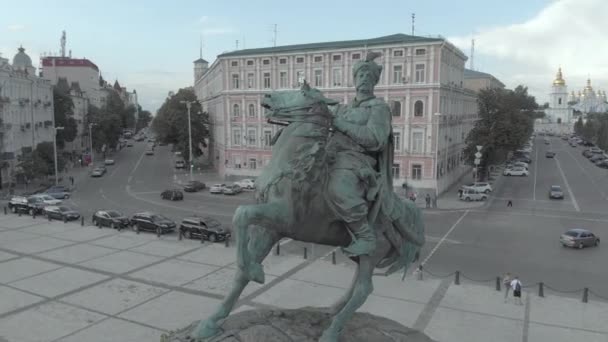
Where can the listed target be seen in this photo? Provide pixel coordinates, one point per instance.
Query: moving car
(515, 171)
(472, 195)
(61, 213)
(109, 162)
(246, 183)
(148, 221)
(110, 218)
(205, 228)
(48, 200)
(58, 192)
(232, 189)
(579, 238)
(479, 186)
(172, 195)
(129, 144)
(194, 186)
(550, 154)
(97, 172)
(17, 204)
(180, 164)
(555, 192)
(149, 152)
(217, 188)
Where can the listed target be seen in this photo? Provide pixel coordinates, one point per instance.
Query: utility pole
(188, 106)
(55, 129)
(413, 21)
(274, 36)
(472, 64)
(91, 140)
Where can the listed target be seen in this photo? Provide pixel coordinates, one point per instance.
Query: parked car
(232, 189)
(58, 192)
(194, 186)
(600, 160)
(472, 195)
(597, 157)
(61, 213)
(555, 192)
(603, 164)
(596, 150)
(148, 221)
(110, 218)
(547, 141)
(579, 238)
(217, 188)
(587, 153)
(109, 162)
(550, 154)
(572, 143)
(246, 183)
(129, 144)
(149, 152)
(97, 172)
(48, 200)
(180, 164)
(17, 204)
(515, 171)
(479, 186)
(35, 205)
(172, 195)
(518, 164)
(206, 228)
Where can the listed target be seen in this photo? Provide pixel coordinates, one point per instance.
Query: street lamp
(91, 139)
(436, 116)
(55, 129)
(188, 106)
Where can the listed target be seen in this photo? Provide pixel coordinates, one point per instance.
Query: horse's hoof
(255, 272)
(206, 329)
(329, 335)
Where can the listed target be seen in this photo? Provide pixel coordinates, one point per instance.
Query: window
(397, 140)
(396, 108)
(416, 171)
(418, 108)
(300, 77)
(250, 62)
(266, 62)
(236, 111)
(420, 52)
(250, 78)
(398, 53)
(396, 170)
(237, 162)
(337, 77)
(318, 78)
(252, 163)
(235, 81)
(318, 59)
(251, 136)
(417, 142)
(266, 80)
(267, 137)
(356, 56)
(251, 110)
(397, 74)
(337, 58)
(234, 63)
(419, 73)
(282, 60)
(559, 101)
(283, 79)
(236, 137)
(299, 60)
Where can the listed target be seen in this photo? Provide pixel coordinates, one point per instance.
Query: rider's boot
(364, 239)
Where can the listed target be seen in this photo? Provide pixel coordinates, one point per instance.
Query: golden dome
(588, 87)
(559, 80)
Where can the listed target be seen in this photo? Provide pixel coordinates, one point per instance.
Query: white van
(472, 195)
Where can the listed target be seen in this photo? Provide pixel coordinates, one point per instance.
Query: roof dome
(22, 60)
(559, 80)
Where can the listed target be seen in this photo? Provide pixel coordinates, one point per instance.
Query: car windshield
(572, 233)
(64, 209)
(46, 198)
(113, 213)
(556, 188)
(159, 218)
(211, 223)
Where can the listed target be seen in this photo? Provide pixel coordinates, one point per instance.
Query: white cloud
(567, 33)
(16, 27)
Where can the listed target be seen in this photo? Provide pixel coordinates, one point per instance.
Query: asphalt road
(481, 243)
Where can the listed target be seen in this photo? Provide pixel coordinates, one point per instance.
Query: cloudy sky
(149, 45)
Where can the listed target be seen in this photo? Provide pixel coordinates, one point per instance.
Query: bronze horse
(291, 204)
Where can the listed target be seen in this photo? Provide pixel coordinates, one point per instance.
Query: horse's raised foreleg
(271, 216)
(260, 245)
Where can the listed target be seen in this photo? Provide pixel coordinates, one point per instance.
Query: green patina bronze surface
(329, 182)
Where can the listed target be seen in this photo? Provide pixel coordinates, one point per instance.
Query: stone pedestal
(301, 325)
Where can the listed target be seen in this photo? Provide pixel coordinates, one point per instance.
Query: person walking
(72, 180)
(510, 203)
(516, 287)
(427, 198)
(506, 282)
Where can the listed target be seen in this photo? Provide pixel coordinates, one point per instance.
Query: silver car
(556, 192)
(579, 238)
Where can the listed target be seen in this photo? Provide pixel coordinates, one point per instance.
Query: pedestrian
(516, 287)
(460, 191)
(72, 180)
(506, 282)
(435, 201)
(509, 203)
(428, 200)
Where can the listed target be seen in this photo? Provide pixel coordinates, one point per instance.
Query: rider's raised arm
(374, 135)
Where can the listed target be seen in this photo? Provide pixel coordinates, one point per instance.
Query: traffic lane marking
(572, 198)
(595, 185)
(443, 238)
(537, 214)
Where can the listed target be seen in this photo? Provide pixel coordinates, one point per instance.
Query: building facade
(80, 70)
(26, 109)
(588, 100)
(559, 111)
(476, 80)
(422, 81)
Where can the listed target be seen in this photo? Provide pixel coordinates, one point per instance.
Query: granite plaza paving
(64, 282)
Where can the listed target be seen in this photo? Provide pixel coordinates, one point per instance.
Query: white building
(559, 111)
(421, 77)
(589, 101)
(26, 109)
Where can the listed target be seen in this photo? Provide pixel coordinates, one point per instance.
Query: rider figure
(363, 130)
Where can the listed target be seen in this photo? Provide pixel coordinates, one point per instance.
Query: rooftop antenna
(63, 41)
(237, 44)
(472, 63)
(201, 47)
(413, 22)
(274, 36)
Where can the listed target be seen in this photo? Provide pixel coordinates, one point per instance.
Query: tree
(143, 119)
(602, 135)
(171, 123)
(64, 116)
(578, 126)
(589, 131)
(41, 162)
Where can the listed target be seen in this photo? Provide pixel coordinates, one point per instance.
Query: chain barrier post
(333, 257)
(227, 241)
(498, 284)
(19, 212)
(541, 289)
(457, 278)
(586, 295)
(305, 253)
(179, 235)
(49, 217)
(278, 250)
(82, 221)
(420, 270)
(65, 219)
(158, 232)
(5, 211)
(33, 214)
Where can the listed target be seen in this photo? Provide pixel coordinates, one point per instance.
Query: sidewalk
(85, 283)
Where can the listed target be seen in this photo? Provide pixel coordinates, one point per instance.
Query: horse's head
(304, 105)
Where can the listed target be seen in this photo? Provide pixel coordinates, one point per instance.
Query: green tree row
(594, 129)
(110, 120)
(40, 162)
(171, 123)
(505, 123)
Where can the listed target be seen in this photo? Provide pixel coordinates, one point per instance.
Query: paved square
(541, 332)
(60, 281)
(21, 268)
(77, 253)
(174, 272)
(163, 248)
(6, 256)
(11, 299)
(36, 245)
(293, 294)
(212, 254)
(84, 233)
(120, 241)
(220, 282)
(115, 330)
(550, 310)
(50, 228)
(114, 296)
(121, 262)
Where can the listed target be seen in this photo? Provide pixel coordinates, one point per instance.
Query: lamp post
(55, 129)
(436, 116)
(91, 139)
(188, 106)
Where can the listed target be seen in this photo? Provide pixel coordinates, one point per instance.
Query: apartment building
(422, 81)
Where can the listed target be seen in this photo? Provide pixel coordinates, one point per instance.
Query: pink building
(422, 81)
